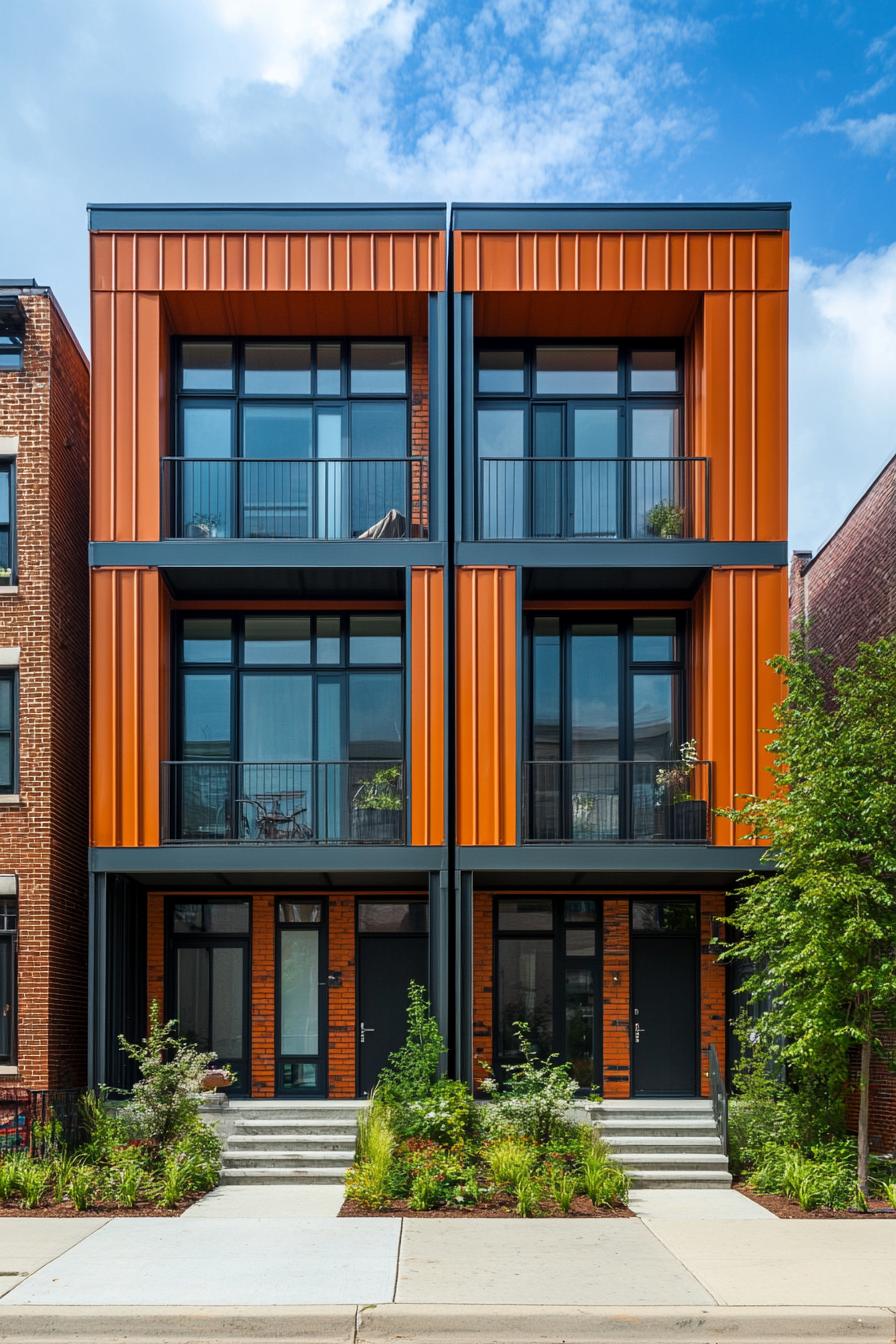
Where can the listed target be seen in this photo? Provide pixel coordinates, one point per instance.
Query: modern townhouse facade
(421, 541)
(44, 400)
(846, 592)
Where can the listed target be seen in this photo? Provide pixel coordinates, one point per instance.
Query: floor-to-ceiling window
(547, 968)
(606, 714)
(581, 441)
(290, 727)
(301, 996)
(297, 439)
(208, 978)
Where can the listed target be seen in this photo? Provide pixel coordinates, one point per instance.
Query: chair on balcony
(271, 820)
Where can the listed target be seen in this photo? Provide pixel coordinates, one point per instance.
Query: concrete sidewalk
(434, 1279)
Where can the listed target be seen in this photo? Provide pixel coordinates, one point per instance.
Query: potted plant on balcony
(665, 519)
(686, 816)
(5, 577)
(204, 525)
(377, 807)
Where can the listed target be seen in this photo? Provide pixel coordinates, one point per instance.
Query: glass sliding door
(301, 999)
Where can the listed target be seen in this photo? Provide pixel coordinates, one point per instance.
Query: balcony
(295, 802)
(593, 498)
(605, 802)
(317, 499)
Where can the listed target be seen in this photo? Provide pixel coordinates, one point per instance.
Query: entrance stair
(673, 1144)
(289, 1143)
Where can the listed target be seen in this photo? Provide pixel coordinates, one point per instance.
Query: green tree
(819, 931)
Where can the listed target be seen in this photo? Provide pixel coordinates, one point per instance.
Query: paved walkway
(655, 1261)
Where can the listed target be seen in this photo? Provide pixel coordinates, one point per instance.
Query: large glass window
(580, 440)
(8, 732)
(208, 987)
(290, 727)
(606, 715)
(294, 439)
(546, 957)
(7, 520)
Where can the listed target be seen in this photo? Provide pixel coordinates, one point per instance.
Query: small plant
(34, 1178)
(536, 1095)
(124, 1183)
(528, 1196)
(47, 1136)
(888, 1192)
(676, 778)
(382, 792)
(564, 1188)
(370, 1180)
(425, 1191)
(509, 1160)
(174, 1181)
(410, 1073)
(206, 523)
(605, 1183)
(62, 1169)
(82, 1187)
(10, 1170)
(665, 519)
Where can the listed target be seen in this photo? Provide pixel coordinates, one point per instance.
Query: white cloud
(843, 386)
(870, 135)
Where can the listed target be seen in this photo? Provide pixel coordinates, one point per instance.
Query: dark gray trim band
(620, 554)
(238, 554)
(702, 859)
(219, 218)
(241, 859)
(643, 217)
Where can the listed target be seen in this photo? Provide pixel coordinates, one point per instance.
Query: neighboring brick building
(44, 406)
(847, 592)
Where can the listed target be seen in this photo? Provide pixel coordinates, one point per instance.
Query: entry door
(386, 966)
(664, 999)
(208, 979)
(7, 997)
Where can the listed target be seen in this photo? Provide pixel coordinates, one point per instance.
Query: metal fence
(604, 801)
(323, 499)
(38, 1121)
(634, 498)
(295, 802)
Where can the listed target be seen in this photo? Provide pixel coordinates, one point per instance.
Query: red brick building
(847, 592)
(44, 400)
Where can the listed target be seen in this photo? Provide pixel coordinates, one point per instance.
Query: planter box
(376, 825)
(689, 820)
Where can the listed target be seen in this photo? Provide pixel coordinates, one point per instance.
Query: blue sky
(510, 99)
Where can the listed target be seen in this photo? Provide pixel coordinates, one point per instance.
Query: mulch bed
(144, 1209)
(789, 1208)
(498, 1206)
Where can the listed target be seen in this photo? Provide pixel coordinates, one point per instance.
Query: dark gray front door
(386, 966)
(664, 1002)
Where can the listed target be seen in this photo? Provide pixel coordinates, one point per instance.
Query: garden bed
(498, 1206)
(782, 1207)
(144, 1209)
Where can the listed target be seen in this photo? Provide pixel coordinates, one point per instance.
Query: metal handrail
(592, 498)
(608, 801)
(719, 1097)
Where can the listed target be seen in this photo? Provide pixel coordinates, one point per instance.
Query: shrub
(888, 1192)
(61, 1174)
(448, 1115)
(10, 1170)
(440, 1174)
(199, 1150)
(82, 1187)
(105, 1127)
(165, 1100)
(824, 1177)
(564, 1188)
(536, 1095)
(173, 1181)
(604, 1182)
(410, 1073)
(528, 1193)
(34, 1177)
(370, 1181)
(508, 1160)
(123, 1182)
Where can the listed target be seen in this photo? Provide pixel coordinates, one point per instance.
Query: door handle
(638, 1030)
(365, 1032)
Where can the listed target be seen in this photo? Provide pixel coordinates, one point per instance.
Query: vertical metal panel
(740, 621)
(487, 766)
(427, 707)
(439, 953)
(128, 653)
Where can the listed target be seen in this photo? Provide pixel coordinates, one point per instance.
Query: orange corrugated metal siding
(740, 621)
(129, 709)
(427, 707)
(486, 706)
(567, 260)
(268, 261)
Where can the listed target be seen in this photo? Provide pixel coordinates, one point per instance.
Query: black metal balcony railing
(605, 801)
(292, 802)
(593, 498)
(322, 499)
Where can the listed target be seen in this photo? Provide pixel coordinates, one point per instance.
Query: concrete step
(294, 1139)
(283, 1175)
(651, 1143)
(651, 1105)
(285, 1158)
(295, 1126)
(611, 1128)
(660, 1179)
(674, 1161)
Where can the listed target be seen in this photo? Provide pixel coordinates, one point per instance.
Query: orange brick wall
(155, 951)
(342, 1034)
(483, 988)
(712, 986)
(617, 1016)
(263, 977)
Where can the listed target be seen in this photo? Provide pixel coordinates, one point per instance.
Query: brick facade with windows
(847, 593)
(44, 614)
